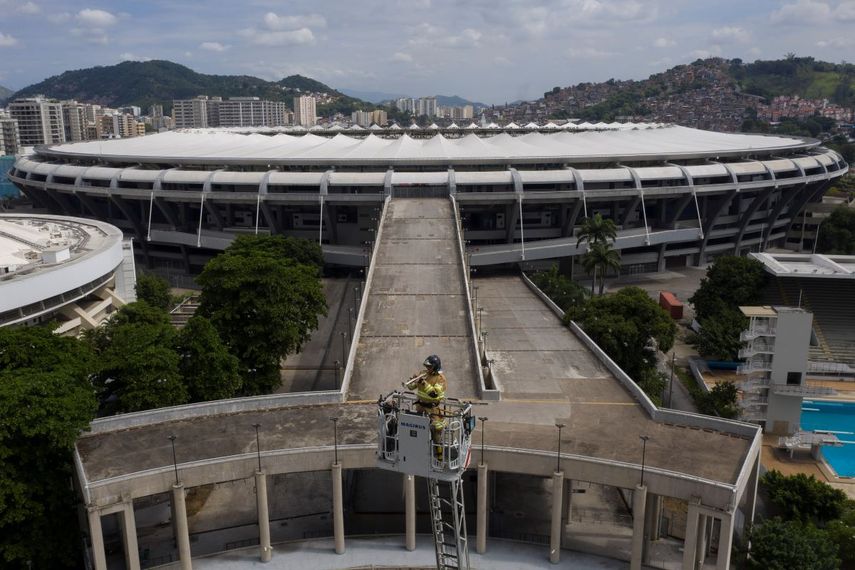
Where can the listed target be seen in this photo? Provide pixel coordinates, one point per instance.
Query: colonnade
(646, 507)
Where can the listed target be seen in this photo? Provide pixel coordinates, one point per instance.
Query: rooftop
(224, 145)
(807, 265)
(28, 243)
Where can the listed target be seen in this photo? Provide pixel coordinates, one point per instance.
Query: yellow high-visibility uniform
(430, 390)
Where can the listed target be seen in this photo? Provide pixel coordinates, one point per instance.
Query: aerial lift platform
(405, 445)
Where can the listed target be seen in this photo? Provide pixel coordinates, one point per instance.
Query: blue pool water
(837, 417)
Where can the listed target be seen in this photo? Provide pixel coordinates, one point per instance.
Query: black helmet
(432, 362)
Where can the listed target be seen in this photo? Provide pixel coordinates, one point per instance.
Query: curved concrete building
(57, 268)
(679, 195)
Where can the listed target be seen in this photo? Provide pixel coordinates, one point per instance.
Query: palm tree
(602, 257)
(597, 230)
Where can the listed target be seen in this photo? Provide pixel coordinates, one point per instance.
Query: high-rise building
(406, 105)
(74, 121)
(427, 106)
(39, 120)
(305, 112)
(9, 140)
(190, 113)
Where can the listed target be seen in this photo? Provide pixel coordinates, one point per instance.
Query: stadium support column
(701, 547)
(96, 537)
(338, 509)
(266, 552)
(639, 504)
(129, 535)
(182, 535)
(410, 511)
(481, 520)
(725, 542)
(691, 541)
(557, 510)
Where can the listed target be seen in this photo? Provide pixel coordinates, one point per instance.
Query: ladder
(448, 520)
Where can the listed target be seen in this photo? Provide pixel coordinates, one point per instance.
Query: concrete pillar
(751, 489)
(129, 536)
(96, 537)
(556, 528)
(266, 551)
(691, 541)
(639, 504)
(410, 510)
(182, 535)
(481, 516)
(725, 542)
(701, 548)
(338, 509)
(655, 509)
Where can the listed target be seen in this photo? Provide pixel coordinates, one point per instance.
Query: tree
(804, 498)
(597, 230)
(300, 251)
(730, 282)
(719, 335)
(139, 365)
(263, 304)
(837, 232)
(598, 260)
(629, 326)
(154, 290)
(790, 545)
(721, 400)
(563, 291)
(208, 370)
(45, 401)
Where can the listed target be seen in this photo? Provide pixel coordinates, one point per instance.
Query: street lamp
(475, 295)
(643, 439)
(334, 421)
(337, 366)
(671, 381)
(343, 346)
(558, 455)
(816, 235)
(350, 318)
(174, 460)
(483, 421)
(479, 319)
(257, 445)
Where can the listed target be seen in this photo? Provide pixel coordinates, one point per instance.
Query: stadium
(417, 209)
(680, 196)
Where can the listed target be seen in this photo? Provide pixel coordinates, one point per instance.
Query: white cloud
(59, 17)
(294, 37)
(664, 42)
(731, 34)
(501, 60)
(713, 51)
(845, 12)
(276, 22)
(801, 12)
(96, 18)
(213, 46)
(836, 43)
(29, 8)
(427, 35)
(127, 56)
(402, 57)
(91, 35)
(588, 53)
(6, 40)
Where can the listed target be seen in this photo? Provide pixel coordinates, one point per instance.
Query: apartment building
(39, 120)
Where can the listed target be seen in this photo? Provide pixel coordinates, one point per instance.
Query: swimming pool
(838, 418)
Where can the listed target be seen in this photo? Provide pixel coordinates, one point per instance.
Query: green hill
(5, 92)
(144, 83)
(802, 76)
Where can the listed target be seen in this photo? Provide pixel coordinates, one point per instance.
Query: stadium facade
(679, 196)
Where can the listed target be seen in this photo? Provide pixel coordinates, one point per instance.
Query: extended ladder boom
(448, 520)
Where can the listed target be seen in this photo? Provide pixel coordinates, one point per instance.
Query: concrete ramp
(416, 303)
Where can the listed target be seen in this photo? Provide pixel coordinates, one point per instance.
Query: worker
(430, 386)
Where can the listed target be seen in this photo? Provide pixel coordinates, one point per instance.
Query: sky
(491, 51)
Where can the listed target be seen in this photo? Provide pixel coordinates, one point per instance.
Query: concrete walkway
(387, 552)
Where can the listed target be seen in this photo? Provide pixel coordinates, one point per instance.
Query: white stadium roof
(807, 265)
(212, 145)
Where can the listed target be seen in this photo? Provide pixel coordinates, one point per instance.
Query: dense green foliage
(263, 303)
(789, 545)
(837, 233)
(719, 336)
(154, 290)
(563, 291)
(803, 497)
(802, 76)
(45, 401)
(730, 282)
(719, 401)
(146, 83)
(629, 326)
(138, 365)
(208, 370)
